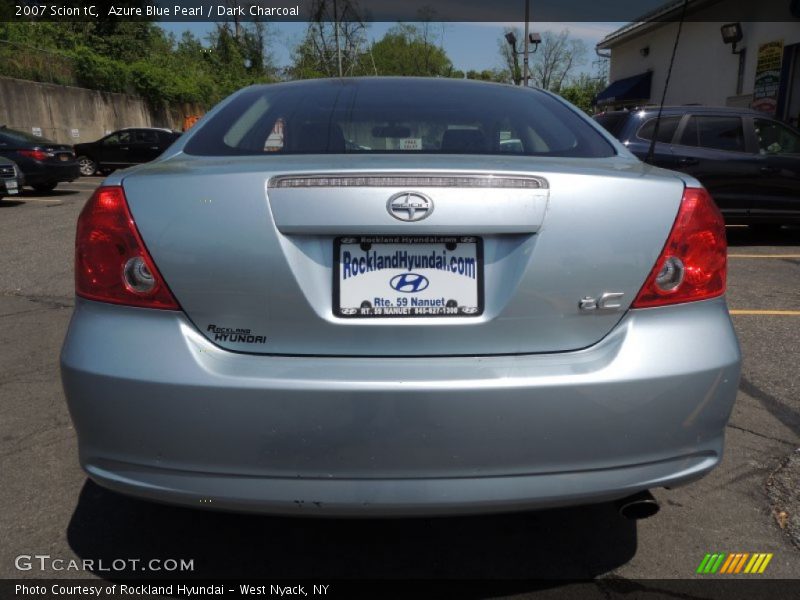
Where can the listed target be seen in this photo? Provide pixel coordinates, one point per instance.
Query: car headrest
(318, 137)
(463, 140)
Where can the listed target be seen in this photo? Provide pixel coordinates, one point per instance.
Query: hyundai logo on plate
(410, 206)
(409, 283)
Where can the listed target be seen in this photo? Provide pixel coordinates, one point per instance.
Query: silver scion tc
(398, 296)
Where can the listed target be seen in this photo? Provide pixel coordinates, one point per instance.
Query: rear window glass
(666, 129)
(145, 136)
(396, 116)
(719, 133)
(12, 136)
(120, 137)
(612, 122)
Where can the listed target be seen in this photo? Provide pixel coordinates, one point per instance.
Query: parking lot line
(763, 255)
(776, 313)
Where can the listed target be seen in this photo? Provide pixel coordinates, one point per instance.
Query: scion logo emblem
(409, 283)
(410, 206)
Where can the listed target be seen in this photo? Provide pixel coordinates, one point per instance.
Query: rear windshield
(667, 127)
(20, 137)
(612, 122)
(397, 116)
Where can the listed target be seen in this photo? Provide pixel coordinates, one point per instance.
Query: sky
(469, 45)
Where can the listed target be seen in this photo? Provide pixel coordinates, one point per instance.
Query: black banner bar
(511, 11)
(611, 588)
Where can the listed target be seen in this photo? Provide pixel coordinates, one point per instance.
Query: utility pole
(336, 35)
(525, 70)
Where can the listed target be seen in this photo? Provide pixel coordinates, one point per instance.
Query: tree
(249, 40)
(138, 57)
(238, 60)
(411, 50)
(551, 63)
(125, 41)
(334, 42)
(555, 59)
(496, 75)
(582, 91)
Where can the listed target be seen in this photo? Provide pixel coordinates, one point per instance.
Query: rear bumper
(163, 414)
(37, 173)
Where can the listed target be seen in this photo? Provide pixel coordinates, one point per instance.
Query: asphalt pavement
(748, 504)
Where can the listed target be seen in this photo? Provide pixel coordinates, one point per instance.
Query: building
(756, 64)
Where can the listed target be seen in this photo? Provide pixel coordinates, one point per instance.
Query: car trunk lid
(254, 248)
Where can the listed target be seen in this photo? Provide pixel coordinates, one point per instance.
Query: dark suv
(749, 161)
(123, 148)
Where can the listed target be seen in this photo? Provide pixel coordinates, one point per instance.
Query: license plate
(408, 276)
(11, 187)
(64, 157)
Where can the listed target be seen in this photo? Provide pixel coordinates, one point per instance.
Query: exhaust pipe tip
(638, 506)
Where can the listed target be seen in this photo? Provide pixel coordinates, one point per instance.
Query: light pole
(525, 70)
(530, 38)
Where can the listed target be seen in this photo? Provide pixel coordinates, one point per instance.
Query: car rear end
(269, 321)
(11, 178)
(44, 163)
(49, 164)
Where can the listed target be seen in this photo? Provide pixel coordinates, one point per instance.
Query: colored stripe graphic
(718, 564)
(733, 563)
(727, 563)
(703, 563)
(764, 564)
(754, 563)
(740, 564)
(711, 563)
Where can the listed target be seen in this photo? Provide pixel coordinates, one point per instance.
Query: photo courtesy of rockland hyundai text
(353, 298)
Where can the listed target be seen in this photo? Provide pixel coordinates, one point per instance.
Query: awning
(624, 91)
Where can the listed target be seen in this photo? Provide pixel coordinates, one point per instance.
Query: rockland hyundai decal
(408, 276)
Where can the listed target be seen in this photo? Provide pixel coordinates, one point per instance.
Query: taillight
(693, 264)
(36, 154)
(111, 261)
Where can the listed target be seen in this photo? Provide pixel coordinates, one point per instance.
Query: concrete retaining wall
(70, 114)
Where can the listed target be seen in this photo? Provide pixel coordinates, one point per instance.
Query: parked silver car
(351, 297)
